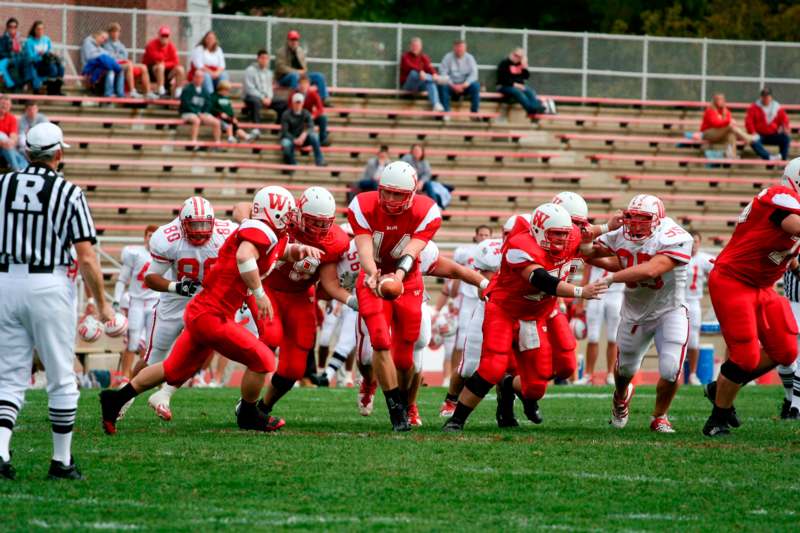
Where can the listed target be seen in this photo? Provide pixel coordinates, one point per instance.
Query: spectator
(222, 110)
(512, 74)
(208, 58)
(417, 73)
(290, 64)
(12, 63)
(258, 91)
(369, 178)
(117, 50)
(161, 59)
(99, 65)
(30, 118)
(196, 106)
(8, 137)
(768, 121)
(719, 126)
(297, 130)
(313, 104)
(44, 67)
(461, 69)
(426, 183)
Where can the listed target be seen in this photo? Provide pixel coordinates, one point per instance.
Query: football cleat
(619, 408)
(453, 426)
(110, 411)
(399, 418)
(447, 409)
(586, 379)
(366, 395)
(320, 380)
(7, 470)
(610, 379)
(531, 408)
(694, 380)
(794, 414)
(716, 428)
(710, 392)
(59, 470)
(785, 407)
(661, 424)
(413, 416)
(160, 405)
(125, 408)
(505, 407)
(252, 417)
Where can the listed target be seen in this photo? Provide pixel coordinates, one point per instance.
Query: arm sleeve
(197, 57)
(472, 77)
(783, 120)
(285, 125)
(268, 88)
(282, 66)
(355, 216)
(429, 225)
(308, 120)
(81, 223)
(427, 65)
(445, 65)
(679, 251)
(171, 57)
(503, 78)
(221, 55)
(750, 119)
(158, 268)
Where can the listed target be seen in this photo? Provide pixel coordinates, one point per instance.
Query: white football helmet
(488, 255)
(512, 220)
(197, 220)
(551, 226)
(791, 175)
(275, 206)
(642, 217)
(575, 206)
(317, 212)
(400, 180)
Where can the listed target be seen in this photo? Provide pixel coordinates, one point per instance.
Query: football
(389, 288)
(90, 329)
(117, 326)
(578, 327)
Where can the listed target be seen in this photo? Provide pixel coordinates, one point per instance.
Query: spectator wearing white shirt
(30, 118)
(461, 70)
(208, 57)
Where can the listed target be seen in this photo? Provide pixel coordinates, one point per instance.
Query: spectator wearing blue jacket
(44, 67)
(99, 64)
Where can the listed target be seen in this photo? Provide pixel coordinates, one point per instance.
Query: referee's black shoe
(7, 470)
(59, 470)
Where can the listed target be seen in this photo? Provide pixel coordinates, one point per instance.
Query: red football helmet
(396, 187)
(197, 220)
(642, 217)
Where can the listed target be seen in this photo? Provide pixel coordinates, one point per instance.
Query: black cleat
(532, 411)
(794, 414)
(399, 418)
(255, 417)
(59, 470)
(716, 428)
(453, 426)
(110, 409)
(320, 380)
(505, 407)
(785, 407)
(7, 470)
(710, 392)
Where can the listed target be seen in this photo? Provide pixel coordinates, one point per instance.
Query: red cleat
(366, 395)
(661, 424)
(413, 415)
(447, 409)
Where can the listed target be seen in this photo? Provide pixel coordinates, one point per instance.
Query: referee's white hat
(45, 137)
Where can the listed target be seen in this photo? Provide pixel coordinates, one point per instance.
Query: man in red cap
(161, 59)
(290, 64)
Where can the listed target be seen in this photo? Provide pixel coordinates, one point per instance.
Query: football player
(248, 254)
(392, 225)
(752, 316)
(698, 270)
(521, 297)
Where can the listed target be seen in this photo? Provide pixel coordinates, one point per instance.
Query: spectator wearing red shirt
(766, 118)
(161, 58)
(313, 104)
(418, 74)
(719, 126)
(8, 137)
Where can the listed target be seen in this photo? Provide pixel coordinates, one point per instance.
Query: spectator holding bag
(44, 67)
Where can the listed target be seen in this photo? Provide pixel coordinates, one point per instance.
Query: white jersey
(650, 299)
(697, 272)
(428, 258)
(597, 273)
(349, 267)
(465, 256)
(135, 263)
(168, 247)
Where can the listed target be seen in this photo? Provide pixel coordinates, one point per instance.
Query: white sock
(168, 390)
(5, 440)
(334, 364)
(787, 377)
(62, 446)
(796, 389)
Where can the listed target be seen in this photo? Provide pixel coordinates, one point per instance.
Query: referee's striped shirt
(41, 216)
(791, 285)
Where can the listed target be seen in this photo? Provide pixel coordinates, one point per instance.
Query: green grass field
(334, 470)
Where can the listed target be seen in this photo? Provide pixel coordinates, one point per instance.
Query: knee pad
(292, 362)
(378, 332)
(734, 372)
(564, 365)
(670, 361)
(478, 386)
(782, 346)
(745, 355)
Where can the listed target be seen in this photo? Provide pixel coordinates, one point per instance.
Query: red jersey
(759, 249)
(299, 276)
(512, 291)
(224, 289)
(391, 233)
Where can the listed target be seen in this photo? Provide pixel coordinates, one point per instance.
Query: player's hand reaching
(615, 222)
(303, 251)
(187, 287)
(264, 308)
(106, 313)
(371, 281)
(595, 290)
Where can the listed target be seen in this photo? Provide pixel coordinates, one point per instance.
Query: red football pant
(750, 315)
(534, 366)
(207, 332)
(293, 328)
(393, 325)
(563, 344)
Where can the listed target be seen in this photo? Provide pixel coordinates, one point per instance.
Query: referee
(44, 223)
(790, 376)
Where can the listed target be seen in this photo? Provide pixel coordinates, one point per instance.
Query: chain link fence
(355, 54)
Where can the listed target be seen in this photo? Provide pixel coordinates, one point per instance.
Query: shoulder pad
(258, 233)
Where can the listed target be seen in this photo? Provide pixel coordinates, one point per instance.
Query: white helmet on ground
(642, 217)
(488, 255)
(551, 226)
(317, 211)
(275, 206)
(575, 206)
(791, 175)
(398, 180)
(511, 222)
(197, 220)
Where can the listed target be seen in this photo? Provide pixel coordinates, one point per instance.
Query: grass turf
(332, 469)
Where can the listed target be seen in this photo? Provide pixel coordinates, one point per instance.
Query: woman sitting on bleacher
(100, 67)
(208, 58)
(44, 67)
(426, 183)
(719, 126)
(12, 61)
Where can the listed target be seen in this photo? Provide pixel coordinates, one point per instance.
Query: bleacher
(136, 163)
